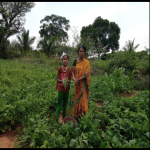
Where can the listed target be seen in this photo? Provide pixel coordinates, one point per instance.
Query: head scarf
(63, 55)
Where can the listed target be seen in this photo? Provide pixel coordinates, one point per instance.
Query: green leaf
(122, 128)
(64, 146)
(85, 141)
(60, 137)
(132, 141)
(103, 134)
(32, 144)
(115, 140)
(45, 142)
(91, 133)
(32, 120)
(127, 110)
(72, 142)
(147, 134)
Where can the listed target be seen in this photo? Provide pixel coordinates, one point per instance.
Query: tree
(129, 46)
(24, 41)
(48, 46)
(13, 19)
(55, 26)
(103, 31)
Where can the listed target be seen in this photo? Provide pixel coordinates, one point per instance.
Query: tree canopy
(13, 19)
(54, 25)
(103, 30)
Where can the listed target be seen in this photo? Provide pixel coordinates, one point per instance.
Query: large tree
(103, 31)
(23, 41)
(54, 25)
(12, 21)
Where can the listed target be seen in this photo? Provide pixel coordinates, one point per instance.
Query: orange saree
(81, 97)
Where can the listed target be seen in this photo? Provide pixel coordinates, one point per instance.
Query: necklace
(63, 69)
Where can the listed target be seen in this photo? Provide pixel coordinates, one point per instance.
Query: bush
(141, 84)
(141, 54)
(13, 54)
(123, 59)
(143, 64)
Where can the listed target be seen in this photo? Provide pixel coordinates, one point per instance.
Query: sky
(131, 17)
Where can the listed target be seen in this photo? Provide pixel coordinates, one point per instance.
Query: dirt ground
(60, 118)
(7, 140)
(130, 95)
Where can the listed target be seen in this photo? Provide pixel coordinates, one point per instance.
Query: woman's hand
(73, 78)
(60, 81)
(76, 81)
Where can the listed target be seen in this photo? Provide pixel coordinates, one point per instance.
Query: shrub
(123, 59)
(141, 84)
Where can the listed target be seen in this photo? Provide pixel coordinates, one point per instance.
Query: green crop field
(28, 97)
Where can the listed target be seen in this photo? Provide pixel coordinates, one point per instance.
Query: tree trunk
(3, 53)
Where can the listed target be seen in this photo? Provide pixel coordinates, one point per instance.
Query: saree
(82, 88)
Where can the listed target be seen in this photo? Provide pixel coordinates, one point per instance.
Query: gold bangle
(81, 78)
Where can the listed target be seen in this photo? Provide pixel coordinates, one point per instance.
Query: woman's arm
(73, 72)
(83, 77)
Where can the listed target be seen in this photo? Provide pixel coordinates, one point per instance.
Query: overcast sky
(131, 17)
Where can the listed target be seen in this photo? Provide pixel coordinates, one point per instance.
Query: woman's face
(81, 52)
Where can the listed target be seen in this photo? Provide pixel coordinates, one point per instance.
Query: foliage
(141, 54)
(28, 95)
(129, 46)
(108, 33)
(103, 87)
(141, 83)
(12, 21)
(24, 41)
(49, 46)
(123, 59)
(143, 65)
(56, 26)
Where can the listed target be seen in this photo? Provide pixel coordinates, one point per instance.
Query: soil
(60, 118)
(7, 139)
(130, 95)
(99, 105)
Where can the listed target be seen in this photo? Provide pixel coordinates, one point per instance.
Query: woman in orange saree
(81, 76)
